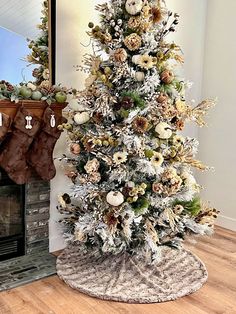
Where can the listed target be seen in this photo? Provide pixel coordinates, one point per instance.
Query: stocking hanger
(28, 122)
(53, 121)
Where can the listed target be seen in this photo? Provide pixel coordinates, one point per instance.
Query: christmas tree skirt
(129, 279)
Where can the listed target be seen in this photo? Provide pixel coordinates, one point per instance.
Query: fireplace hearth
(24, 232)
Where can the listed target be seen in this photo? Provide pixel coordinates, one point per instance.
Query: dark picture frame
(52, 40)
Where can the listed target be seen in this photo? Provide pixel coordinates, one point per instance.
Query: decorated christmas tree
(133, 188)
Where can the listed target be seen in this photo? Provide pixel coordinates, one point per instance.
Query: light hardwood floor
(52, 296)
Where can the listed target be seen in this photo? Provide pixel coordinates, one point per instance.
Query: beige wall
(218, 141)
(72, 23)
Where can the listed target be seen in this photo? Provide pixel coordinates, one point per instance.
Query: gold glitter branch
(197, 113)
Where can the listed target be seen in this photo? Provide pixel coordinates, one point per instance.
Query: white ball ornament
(135, 59)
(139, 76)
(115, 198)
(82, 117)
(133, 7)
(163, 130)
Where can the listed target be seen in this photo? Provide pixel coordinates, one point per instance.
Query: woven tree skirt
(128, 279)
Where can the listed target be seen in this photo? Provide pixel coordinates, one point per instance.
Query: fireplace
(12, 218)
(24, 232)
(24, 216)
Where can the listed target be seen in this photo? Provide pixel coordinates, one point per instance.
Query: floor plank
(52, 296)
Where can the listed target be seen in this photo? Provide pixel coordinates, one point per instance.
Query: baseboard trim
(56, 244)
(226, 222)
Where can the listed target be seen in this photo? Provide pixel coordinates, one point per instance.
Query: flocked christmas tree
(133, 187)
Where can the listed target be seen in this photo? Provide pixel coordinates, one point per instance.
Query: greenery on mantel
(30, 91)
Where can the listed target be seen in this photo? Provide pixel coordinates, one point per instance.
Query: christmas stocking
(13, 152)
(40, 155)
(5, 123)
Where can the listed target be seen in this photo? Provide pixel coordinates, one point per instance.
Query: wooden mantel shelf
(37, 107)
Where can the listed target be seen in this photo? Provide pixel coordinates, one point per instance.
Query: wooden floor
(52, 296)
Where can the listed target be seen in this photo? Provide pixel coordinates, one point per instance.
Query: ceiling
(21, 16)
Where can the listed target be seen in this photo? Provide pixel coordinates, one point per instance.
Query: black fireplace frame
(16, 244)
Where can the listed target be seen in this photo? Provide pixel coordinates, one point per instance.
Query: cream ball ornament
(133, 7)
(81, 117)
(115, 198)
(163, 130)
(139, 76)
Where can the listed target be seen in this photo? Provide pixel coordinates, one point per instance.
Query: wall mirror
(18, 22)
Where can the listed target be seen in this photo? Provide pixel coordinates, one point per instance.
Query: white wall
(72, 23)
(190, 36)
(218, 141)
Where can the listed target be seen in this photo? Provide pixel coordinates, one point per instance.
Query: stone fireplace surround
(37, 263)
(37, 204)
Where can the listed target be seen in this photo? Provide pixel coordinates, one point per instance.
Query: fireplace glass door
(11, 218)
